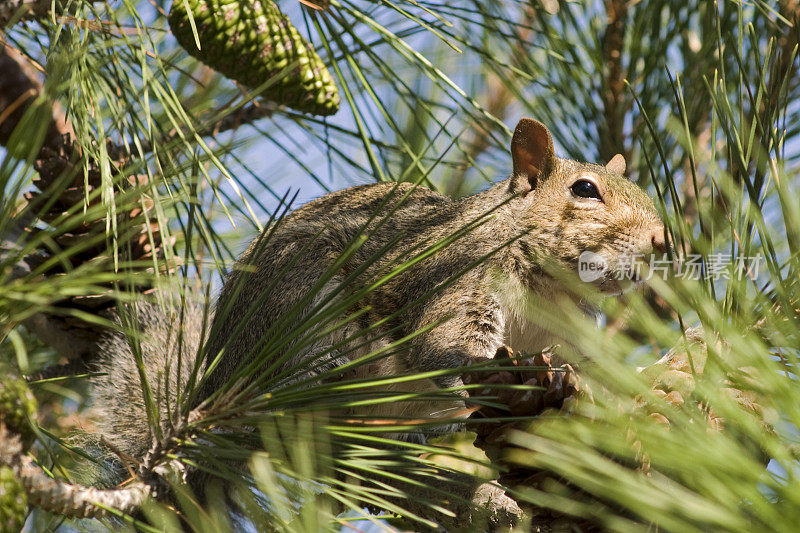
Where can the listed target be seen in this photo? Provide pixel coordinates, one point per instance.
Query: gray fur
(487, 306)
(117, 392)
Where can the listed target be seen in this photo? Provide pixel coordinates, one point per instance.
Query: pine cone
(251, 41)
(13, 502)
(17, 404)
(673, 379)
(547, 386)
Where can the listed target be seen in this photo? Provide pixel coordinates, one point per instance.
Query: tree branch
(19, 87)
(58, 496)
(612, 140)
(25, 9)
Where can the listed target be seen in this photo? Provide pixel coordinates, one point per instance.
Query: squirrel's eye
(585, 189)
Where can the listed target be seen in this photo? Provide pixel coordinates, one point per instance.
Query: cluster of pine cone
(254, 43)
(17, 409)
(526, 387)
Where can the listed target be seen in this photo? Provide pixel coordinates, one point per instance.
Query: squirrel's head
(587, 218)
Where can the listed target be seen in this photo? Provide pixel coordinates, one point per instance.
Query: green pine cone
(251, 41)
(13, 502)
(17, 404)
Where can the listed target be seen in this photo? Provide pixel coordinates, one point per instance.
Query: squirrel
(460, 300)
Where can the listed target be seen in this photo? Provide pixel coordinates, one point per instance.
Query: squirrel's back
(272, 277)
(306, 262)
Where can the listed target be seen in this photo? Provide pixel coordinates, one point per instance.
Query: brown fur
(474, 295)
(474, 315)
(489, 287)
(117, 390)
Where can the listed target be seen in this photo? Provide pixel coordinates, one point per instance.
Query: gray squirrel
(467, 299)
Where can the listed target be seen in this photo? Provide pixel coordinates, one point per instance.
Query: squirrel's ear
(532, 153)
(616, 165)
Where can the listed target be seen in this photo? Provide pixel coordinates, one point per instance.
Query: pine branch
(16, 10)
(61, 497)
(615, 105)
(19, 87)
(499, 97)
(61, 184)
(790, 10)
(231, 121)
(786, 56)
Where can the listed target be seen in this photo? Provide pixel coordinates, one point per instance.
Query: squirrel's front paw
(559, 385)
(524, 387)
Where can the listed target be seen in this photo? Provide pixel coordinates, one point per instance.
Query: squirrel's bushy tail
(168, 341)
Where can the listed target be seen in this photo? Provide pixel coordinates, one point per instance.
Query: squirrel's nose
(658, 241)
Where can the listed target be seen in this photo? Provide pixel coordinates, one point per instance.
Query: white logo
(591, 266)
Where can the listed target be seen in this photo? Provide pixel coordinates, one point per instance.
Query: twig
(61, 497)
(246, 115)
(19, 87)
(24, 9)
(612, 141)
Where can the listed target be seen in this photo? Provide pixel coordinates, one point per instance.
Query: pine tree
(142, 151)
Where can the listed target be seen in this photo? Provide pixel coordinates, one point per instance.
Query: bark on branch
(15, 10)
(19, 87)
(612, 141)
(63, 498)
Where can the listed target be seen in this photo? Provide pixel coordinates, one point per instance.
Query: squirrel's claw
(526, 387)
